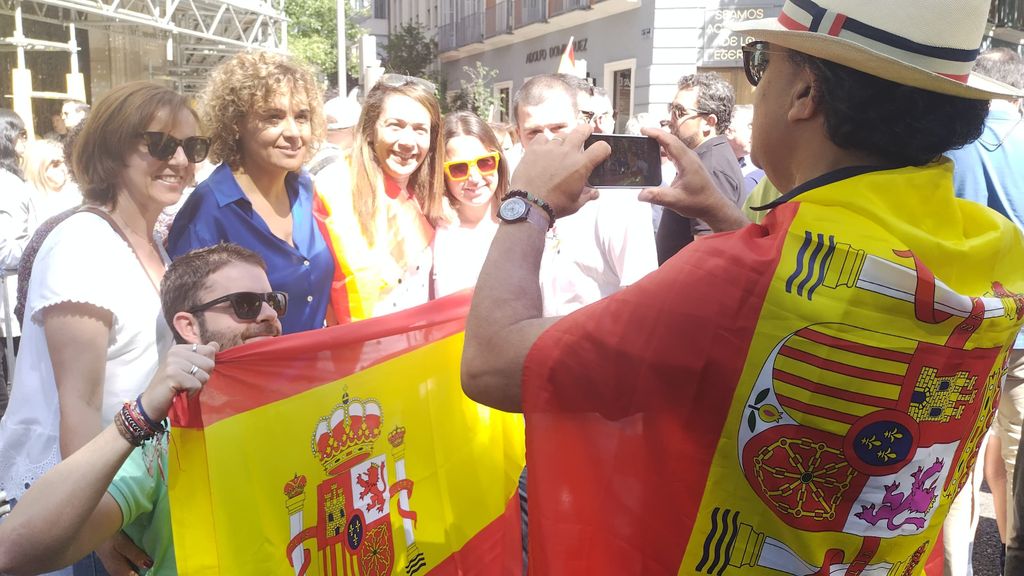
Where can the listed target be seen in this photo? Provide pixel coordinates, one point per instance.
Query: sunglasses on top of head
(162, 146)
(459, 169)
(247, 305)
(399, 80)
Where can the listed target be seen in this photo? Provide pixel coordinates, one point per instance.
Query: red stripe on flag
(839, 367)
(819, 411)
(820, 388)
(247, 377)
(855, 347)
(837, 25)
(791, 24)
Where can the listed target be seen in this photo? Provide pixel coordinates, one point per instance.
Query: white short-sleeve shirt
(604, 247)
(82, 260)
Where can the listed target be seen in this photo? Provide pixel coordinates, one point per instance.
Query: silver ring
(553, 138)
(195, 347)
(193, 371)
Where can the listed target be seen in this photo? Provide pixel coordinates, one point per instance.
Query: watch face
(513, 209)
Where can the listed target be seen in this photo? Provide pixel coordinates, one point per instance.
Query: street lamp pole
(342, 75)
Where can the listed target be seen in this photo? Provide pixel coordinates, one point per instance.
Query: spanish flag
(567, 65)
(348, 451)
(801, 397)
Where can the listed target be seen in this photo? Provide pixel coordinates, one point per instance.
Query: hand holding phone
(635, 162)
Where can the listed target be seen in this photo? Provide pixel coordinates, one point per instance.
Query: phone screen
(635, 162)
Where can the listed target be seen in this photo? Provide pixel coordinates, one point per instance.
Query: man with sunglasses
(214, 298)
(803, 396)
(700, 116)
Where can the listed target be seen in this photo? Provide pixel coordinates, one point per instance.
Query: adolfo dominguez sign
(722, 46)
(554, 52)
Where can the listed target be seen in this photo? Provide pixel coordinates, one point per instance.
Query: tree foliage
(313, 33)
(476, 95)
(410, 51)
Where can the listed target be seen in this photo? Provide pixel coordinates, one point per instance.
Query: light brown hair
(112, 129)
(247, 83)
(426, 183)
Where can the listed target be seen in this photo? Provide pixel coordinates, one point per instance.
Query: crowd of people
(147, 235)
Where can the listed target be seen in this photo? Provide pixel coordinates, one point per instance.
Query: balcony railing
(502, 18)
(1007, 14)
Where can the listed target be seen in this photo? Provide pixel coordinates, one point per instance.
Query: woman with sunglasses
(476, 178)
(381, 224)
(94, 334)
(265, 116)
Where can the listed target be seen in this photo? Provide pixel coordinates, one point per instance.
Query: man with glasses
(214, 298)
(803, 396)
(604, 115)
(700, 116)
(73, 112)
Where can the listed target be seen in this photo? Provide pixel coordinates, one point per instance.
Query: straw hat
(928, 44)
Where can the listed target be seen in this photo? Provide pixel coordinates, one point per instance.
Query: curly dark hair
(899, 125)
(714, 95)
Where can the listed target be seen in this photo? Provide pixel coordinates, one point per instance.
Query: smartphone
(635, 162)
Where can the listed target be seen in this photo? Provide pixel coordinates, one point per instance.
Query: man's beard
(232, 339)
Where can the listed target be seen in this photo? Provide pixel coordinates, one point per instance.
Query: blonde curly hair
(247, 83)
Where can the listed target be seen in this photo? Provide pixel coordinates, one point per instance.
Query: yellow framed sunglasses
(459, 169)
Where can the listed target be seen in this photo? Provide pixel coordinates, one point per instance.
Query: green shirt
(145, 508)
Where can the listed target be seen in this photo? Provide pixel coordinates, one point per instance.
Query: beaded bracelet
(534, 200)
(132, 426)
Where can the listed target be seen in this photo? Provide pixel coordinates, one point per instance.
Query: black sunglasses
(162, 146)
(755, 60)
(247, 305)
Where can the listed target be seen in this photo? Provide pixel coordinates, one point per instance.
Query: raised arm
(692, 193)
(68, 511)
(506, 317)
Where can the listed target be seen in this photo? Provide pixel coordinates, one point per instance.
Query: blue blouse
(218, 211)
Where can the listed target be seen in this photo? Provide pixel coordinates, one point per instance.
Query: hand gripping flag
(347, 451)
(802, 397)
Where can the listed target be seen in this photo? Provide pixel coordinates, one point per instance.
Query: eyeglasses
(459, 169)
(755, 60)
(399, 80)
(587, 116)
(247, 305)
(676, 112)
(162, 146)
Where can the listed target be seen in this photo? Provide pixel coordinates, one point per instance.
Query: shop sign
(722, 46)
(554, 52)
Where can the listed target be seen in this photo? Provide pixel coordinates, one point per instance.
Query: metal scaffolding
(198, 34)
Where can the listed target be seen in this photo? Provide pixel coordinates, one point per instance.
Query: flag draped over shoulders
(346, 451)
(366, 272)
(804, 396)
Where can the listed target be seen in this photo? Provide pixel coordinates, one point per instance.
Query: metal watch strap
(539, 202)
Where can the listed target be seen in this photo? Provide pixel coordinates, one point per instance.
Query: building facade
(635, 49)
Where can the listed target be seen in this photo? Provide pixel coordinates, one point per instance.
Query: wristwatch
(517, 209)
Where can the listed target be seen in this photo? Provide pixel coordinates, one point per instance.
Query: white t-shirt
(82, 260)
(604, 247)
(459, 254)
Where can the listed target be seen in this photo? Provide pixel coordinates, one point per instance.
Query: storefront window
(622, 97)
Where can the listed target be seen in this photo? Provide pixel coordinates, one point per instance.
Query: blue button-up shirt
(218, 211)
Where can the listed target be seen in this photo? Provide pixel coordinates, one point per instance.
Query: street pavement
(986, 539)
